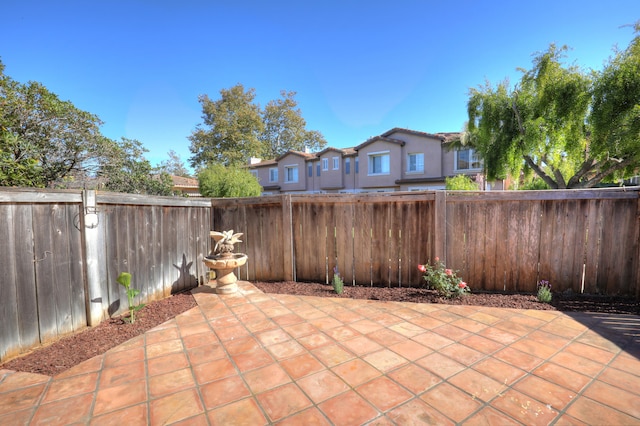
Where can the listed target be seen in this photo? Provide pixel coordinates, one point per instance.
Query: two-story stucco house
(398, 160)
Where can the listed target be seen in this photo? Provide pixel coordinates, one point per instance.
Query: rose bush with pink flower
(443, 280)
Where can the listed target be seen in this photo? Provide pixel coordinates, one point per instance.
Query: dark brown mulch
(69, 351)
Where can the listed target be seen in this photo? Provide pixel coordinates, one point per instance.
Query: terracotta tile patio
(254, 358)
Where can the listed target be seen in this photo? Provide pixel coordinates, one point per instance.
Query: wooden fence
(61, 252)
(586, 241)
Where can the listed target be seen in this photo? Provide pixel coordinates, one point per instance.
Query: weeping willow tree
(571, 128)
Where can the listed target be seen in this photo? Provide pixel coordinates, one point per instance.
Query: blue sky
(359, 68)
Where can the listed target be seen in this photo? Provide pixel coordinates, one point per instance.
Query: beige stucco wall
(379, 181)
(331, 179)
(415, 144)
(292, 160)
(351, 179)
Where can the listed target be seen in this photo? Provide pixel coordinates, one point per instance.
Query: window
(357, 165)
(318, 168)
(254, 173)
(347, 166)
(415, 163)
(273, 174)
(310, 167)
(291, 174)
(336, 163)
(325, 164)
(467, 159)
(379, 163)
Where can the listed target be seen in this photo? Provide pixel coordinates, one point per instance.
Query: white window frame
(473, 155)
(370, 165)
(325, 164)
(419, 165)
(273, 174)
(336, 163)
(296, 172)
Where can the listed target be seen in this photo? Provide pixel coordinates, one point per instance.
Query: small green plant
(443, 280)
(544, 291)
(124, 279)
(337, 282)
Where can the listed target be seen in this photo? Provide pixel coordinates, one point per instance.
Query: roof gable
(379, 139)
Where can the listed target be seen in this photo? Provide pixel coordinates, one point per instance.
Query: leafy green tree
(460, 183)
(174, 165)
(126, 170)
(44, 135)
(217, 180)
(285, 128)
(556, 122)
(231, 132)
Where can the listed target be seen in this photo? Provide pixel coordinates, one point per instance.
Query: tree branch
(552, 184)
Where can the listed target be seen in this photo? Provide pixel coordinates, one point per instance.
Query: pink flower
(437, 259)
(448, 272)
(422, 268)
(462, 284)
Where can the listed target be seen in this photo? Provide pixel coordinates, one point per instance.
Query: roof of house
(184, 182)
(305, 155)
(381, 138)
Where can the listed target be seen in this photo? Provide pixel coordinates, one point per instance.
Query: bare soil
(69, 351)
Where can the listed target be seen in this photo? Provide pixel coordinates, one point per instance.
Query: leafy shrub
(544, 291)
(337, 282)
(460, 183)
(443, 280)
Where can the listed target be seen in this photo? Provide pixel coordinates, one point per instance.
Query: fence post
(440, 226)
(90, 231)
(287, 238)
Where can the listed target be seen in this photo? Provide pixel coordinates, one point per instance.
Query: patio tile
(385, 360)
(118, 375)
(311, 416)
(361, 345)
(590, 352)
(175, 407)
(301, 366)
(499, 371)
(315, 340)
(384, 394)
(594, 339)
(547, 392)
(243, 412)
(483, 317)
(621, 379)
(167, 363)
(185, 331)
(332, 355)
(409, 349)
(384, 336)
(21, 398)
(356, 372)
(251, 360)
(500, 336)
(591, 412)
(286, 349)
(418, 412)
(463, 354)
(469, 325)
(266, 378)
(432, 340)
(283, 401)
(452, 332)
(17, 418)
(214, 370)
(346, 316)
(162, 348)
(272, 337)
(72, 386)
(524, 409)
(366, 326)
(407, 329)
(451, 401)
(299, 330)
(224, 391)
(199, 339)
(342, 333)
(614, 397)
(232, 333)
(564, 377)
(241, 344)
(205, 353)
(441, 365)
(171, 382)
(627, 363)
(135, 415)
(116, 397)
(155, 336)
(322, 386)
(121, 357)
(563, 327)
(287, 319)
(577, 363)
(518, 358)
(89, 366)
(478, 385)
(348, 409)
(481, 344)
(534, 348)
(415, 378)
(444, 315)
(512, 327)
(64, 411)
(489, 417)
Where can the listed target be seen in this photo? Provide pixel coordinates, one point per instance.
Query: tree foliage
(571, 128)
(460, 183)
(128, 171)
(174, 165)
(234, 129)
(219, 181)
(43, 135)
(285, 128)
